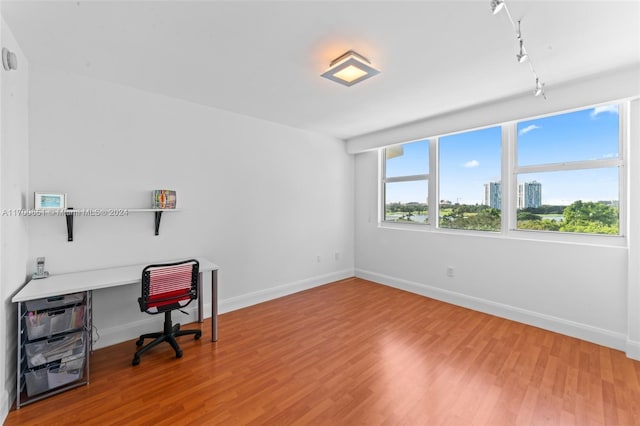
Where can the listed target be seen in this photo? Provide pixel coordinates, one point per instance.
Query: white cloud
(612, 109)
(472, 163)
(528, 129)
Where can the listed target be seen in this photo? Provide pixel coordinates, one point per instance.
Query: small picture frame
(49, 200)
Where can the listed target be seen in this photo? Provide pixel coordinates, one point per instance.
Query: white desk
(96, 279)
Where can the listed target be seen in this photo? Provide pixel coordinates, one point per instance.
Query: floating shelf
(71, 212)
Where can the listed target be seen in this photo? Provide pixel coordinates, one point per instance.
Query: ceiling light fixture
(349, 69)
(522, 55)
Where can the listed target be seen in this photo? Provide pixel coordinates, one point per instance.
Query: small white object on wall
(9, 60)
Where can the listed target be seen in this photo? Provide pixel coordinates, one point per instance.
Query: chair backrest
(169, 286)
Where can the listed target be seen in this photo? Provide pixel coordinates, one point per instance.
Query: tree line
(581, 217)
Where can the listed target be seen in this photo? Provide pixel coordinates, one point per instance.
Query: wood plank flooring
(355, 353)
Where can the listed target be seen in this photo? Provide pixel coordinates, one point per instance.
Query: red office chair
(166, 287)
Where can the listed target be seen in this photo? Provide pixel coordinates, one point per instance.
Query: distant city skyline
(529, 195)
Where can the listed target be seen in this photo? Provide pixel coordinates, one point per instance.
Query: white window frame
(437, 182)
(618, 162)
(509, 177)
(407, 178)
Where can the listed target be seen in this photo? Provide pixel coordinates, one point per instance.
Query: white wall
(633, 284)
(261, 200)
(603, 87)
(14, 149)
(578, 289)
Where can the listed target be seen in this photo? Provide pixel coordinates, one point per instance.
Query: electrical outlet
(319, 259)
(450, 271)
(337, 256)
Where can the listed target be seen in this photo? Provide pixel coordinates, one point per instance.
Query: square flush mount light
(349, 69)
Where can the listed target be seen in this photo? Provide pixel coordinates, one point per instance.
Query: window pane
(406, 201)
(407, 159)
(469, 171)
(589, 134)
(581, 201)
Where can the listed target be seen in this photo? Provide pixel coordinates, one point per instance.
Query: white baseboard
(559, 325)
(633, 349)
(9, 391)
(131, 330)
(5, 405)
(104, 337)
(254, 298)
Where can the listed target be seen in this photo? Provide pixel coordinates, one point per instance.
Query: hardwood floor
(354, 352)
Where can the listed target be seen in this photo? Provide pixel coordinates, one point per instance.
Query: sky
(471, 159)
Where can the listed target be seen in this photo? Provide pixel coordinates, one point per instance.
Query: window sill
(617, 241)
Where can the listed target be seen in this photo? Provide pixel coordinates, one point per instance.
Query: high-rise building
(493, 195)
(529, 194)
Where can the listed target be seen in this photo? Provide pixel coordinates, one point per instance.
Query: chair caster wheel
(179, 354)
(139, 342)
(136, 360)
(197, 336)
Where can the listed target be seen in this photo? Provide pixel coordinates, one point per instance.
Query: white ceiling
(264, 58)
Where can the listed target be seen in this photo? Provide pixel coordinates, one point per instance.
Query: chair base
(168, 335)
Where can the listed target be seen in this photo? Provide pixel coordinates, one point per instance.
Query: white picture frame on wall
(49, 200)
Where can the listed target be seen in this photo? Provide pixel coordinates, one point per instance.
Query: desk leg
(200, 299)
(214, 306)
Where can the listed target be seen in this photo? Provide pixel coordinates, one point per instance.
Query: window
(470, 189)
(563, 174)
(568, 177)
(405, 180)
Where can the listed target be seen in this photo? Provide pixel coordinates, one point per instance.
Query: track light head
(496, 6)
(539, 90)
(522, 55)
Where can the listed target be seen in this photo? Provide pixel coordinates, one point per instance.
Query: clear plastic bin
(66, 373)
(52, 322)
(60, 348)
(54, 302)
(45, 379)
(37, 381)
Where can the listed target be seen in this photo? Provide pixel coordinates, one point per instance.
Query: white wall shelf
(70, 212)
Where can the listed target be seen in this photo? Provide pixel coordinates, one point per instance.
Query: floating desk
(87, 281)
(74, 282)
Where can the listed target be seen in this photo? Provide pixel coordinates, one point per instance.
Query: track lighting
(521, 56)
(496, 6)
(539, 90)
